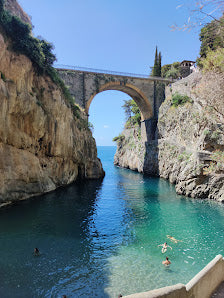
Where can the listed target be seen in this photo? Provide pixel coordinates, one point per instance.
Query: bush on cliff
(217, 163)
(39, 51)
(171, 70)
(212, 36)
(214, 61)
(132, 112)
(179, 100)
(118, 139)
(212, 46)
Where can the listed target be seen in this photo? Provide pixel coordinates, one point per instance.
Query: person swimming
(164, 247)
(36, 252)
(173, 239)
(166, 262)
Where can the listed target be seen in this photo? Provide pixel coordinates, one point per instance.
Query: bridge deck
(109, 72)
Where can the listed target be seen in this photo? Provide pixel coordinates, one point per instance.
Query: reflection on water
(99, 239)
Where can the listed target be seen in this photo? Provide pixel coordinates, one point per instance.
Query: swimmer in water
(173, 239)
(167, 262)
(164, 247)
(36, 252)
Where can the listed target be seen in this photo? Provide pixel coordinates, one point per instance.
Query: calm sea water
(99, 239)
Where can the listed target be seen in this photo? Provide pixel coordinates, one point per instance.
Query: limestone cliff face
(130, 150)
(189, 146)
(42, 145)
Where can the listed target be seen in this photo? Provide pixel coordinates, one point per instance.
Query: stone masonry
(84, 85)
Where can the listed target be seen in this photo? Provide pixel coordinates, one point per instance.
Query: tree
(132, 112)
(173, 73)
(160, 64)
(155, 67)
(212, 36)
(156, 70)
(136, 113)
(214, 61)
(49, 57)
(127, 108)
(171, 70)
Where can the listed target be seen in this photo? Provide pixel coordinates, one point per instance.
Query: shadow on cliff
(151, 159)
(61, 224)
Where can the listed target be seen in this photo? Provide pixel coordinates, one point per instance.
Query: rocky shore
(188, 149)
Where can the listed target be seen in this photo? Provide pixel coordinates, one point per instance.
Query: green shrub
(133, 113)
(218, 156)
(172, 73)
(206, 132)
(39, 103)
(178, 99)
(82, 124)
(37, 50)
(76, 111)
(214, 61)
(3, 77)
(217, 163)
(184, 156)
(212, 36)
(171, 70)
(215, 135)
(119, 138)
(139, 134)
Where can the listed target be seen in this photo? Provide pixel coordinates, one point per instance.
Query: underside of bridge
(136, 94)
(84, 86)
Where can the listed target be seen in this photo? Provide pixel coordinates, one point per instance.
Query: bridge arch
(135, 93)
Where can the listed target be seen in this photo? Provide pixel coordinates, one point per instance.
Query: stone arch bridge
(147, 91)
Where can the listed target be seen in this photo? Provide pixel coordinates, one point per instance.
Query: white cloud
(106, 126)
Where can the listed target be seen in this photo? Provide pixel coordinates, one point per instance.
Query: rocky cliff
(15, 9)
(188, 149)
(42, 145)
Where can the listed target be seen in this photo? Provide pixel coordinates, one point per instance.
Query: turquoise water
(99, 239)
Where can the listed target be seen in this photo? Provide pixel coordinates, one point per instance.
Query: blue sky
(117, 35)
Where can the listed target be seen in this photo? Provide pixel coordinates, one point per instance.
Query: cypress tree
(159, 64)
(155, 67)
(156, 70)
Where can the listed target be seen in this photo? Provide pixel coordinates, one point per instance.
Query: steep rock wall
(42, 145)
(187, 138)
(130, 150)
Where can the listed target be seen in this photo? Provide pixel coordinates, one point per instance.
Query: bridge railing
(110, 72)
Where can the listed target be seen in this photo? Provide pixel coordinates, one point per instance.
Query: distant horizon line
(106, 146)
